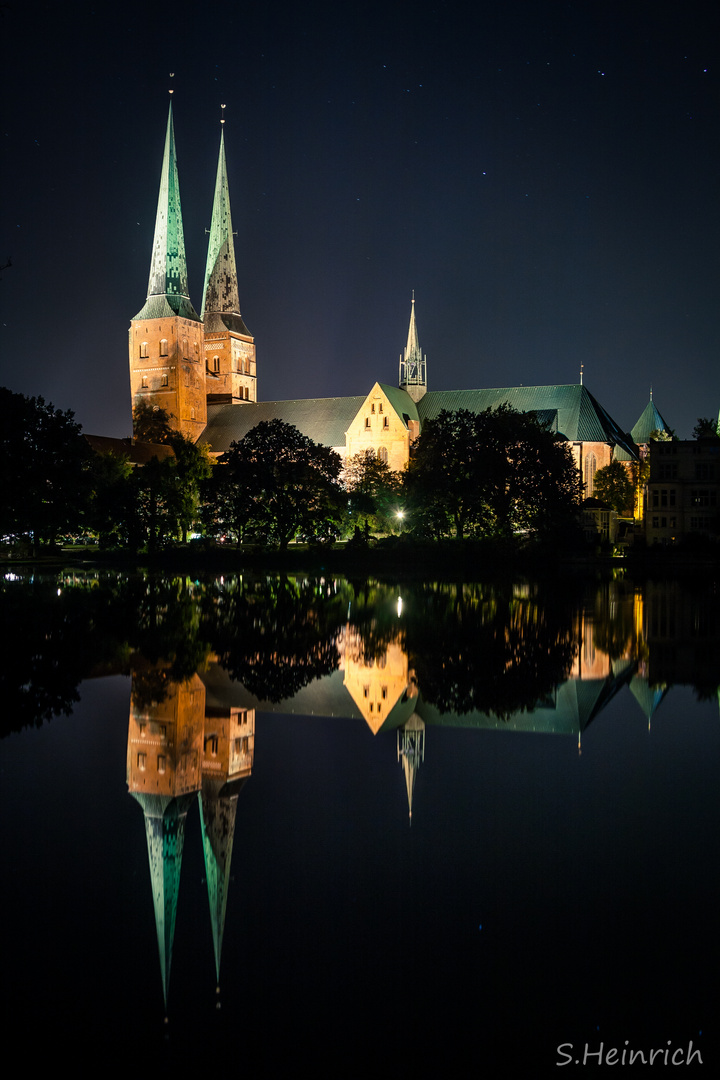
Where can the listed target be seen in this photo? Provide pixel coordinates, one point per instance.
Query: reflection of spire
(648, 697)
(411, 749)
(217, 816)
(227, 763)
(163, 774)
(165, 832)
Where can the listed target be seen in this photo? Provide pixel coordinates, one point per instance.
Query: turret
(413, 367)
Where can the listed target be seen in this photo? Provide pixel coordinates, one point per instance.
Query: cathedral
(202, 369)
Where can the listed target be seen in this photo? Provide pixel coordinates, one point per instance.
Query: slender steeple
(413, 367)
(229, 345)
(220, 292)
(168, 292)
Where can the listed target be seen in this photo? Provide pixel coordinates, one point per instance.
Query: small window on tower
(216, 363)
(372, 408)
(144, 382)
(367, 421)
(144, 350)
(164, 380)
(163, 347)
(386, 422)
(380, 407)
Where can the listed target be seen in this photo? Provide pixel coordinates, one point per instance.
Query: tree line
(499, 473)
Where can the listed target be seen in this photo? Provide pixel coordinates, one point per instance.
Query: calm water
(208, 849)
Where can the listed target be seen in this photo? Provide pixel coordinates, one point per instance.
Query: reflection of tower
(227, 762)
(411, 751)
(163, 773)
(413, 366)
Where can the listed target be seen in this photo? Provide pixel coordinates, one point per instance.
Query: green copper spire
(168, 292)
(220, 292)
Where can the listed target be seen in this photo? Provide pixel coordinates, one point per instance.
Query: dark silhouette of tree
(44, 469)
(277, 635)
(493, 473)
(277, 482)
(706, 428)
(613, 485)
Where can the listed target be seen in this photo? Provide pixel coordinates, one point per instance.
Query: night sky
(543, 175)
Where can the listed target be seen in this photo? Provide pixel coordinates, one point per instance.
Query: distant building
(202, 369)
(683, 490)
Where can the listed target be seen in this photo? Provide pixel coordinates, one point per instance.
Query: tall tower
(166, 337)
(413, 367)
(229, 346)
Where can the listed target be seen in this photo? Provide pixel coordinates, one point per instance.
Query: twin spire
(168, 292)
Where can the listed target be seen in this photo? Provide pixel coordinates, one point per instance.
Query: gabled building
(203, 370)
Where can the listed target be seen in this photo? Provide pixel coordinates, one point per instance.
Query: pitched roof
(650, 420)
(324, 420)
(168, 283)
(137, 453)
(570, 410)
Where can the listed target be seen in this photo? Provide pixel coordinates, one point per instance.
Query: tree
(44, 475)
(373, 490)
(167, 491)
(706, 428)
(493, 473)
(109, 507)
(614, 486)
(278, 482)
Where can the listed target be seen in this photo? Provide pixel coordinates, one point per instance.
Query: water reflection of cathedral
(196, 737)
(178, 749)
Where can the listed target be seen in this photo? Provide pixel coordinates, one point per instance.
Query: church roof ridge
(168, 292)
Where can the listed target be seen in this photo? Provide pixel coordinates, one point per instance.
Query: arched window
(144, 350)
(590, 470)
(216, 363)
(383, 454)
(163, 347)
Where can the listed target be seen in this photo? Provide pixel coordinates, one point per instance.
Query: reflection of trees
(374, 618)
(48, 645)
(487, 649)
(613, 622)
(58, 630)
(277, 635)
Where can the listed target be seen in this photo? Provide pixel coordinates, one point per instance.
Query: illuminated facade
(202, 369)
